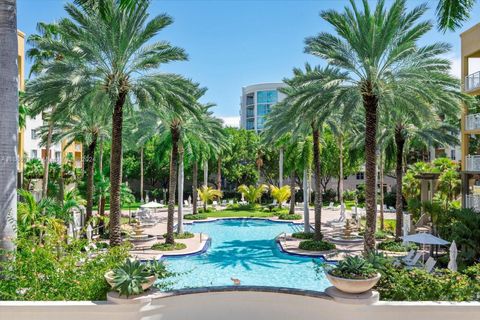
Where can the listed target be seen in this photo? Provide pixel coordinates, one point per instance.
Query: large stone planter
(353, 285)
(145, 286)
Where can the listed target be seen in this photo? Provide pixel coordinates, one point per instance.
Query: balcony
(472, 121)
(472, 81)
(472, 201)
(472, 163)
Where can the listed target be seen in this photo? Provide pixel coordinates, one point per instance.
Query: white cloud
(231, 121)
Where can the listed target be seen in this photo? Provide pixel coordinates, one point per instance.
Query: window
(260, 123)
(250, 100)
(452, 154)
(33, 154)
(34, 134)
(57, 156)
(263, 109)
(270, 96)
(360, 175)
(250, 113)
(250, 124)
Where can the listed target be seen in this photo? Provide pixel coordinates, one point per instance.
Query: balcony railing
(473, 163)
(472, 81)
(472, 201)
(472, 121)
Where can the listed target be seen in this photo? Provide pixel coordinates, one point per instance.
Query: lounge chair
(330, 206)
(230, 201)
(429, 264)
(415, 259)
(409, 256)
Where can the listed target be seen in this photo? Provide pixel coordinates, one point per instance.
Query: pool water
(244, 249)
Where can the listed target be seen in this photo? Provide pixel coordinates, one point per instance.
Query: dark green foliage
(392, 245)
(129, 277)
(303, 235)
(288, 216)
(197, 216)
(185, 235)
(354, 267)
(313, 245)
(169, 247)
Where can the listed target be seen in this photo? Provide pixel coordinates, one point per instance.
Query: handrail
(470, 82)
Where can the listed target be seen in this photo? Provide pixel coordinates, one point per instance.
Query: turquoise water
(244, 249)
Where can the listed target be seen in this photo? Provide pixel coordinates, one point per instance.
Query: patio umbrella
(452, 264)
(151, 205)
(425, 238)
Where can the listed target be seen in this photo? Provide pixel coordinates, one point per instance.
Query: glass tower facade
(257, 101)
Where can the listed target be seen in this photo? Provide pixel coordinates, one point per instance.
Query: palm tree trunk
(172, 184)
(180, 191)
(46, 161)
(101, 199)
(318, 188)
(141, 175)
(306, 210)
(8, 125)
(399, 142)
(382, 196)
(205, 173)
(370, 103)
(90, 167)
(61, 181)
(219, 173)
(194, 187)
(292, 191)
(280, 169)
(116, 170)
(340, 178)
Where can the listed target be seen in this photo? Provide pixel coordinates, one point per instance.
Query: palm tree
(8, 124)
(86, 125)
(252, 193)
(373, 55)
(115, 55)
(281, 194)
(452, 13)
(208, 194)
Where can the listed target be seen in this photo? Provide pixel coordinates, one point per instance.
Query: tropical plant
(377, 72)
(280, 194)
(112, 43)
(451, 14)
(252, 193)
(353, 267)
(208, 194)
(129, 277)
(33, 170)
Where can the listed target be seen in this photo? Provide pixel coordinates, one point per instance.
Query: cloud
(231, 121)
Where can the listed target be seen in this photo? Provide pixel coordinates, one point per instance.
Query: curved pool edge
(306, 255)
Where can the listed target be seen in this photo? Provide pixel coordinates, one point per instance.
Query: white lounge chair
(415, 259)
(429, 264)
(214, 203)
(409, 256)
(230, 201)
(330, 206)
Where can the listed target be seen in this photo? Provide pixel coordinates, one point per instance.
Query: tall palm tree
(374, 54)
(8, 123)
(86, 125)
(451, 14)
(114, 54)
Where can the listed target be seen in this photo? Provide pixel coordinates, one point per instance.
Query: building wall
(21, 84)
(256, 102)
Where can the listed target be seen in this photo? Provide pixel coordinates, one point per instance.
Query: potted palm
(133, 277)
(352, 275)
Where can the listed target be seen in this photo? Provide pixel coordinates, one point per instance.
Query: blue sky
(234, 43)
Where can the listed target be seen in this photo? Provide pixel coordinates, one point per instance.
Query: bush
(198, 216)
(169, 247)
(303, 235)
(209, 210)
(243, 207)
(185, 235)
(394, 246)
(349, 195)
(288, 216)
(53, 272)
(353, 267)
(329, 195)
(314, 245)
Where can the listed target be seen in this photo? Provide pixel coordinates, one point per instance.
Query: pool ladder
(284, 236)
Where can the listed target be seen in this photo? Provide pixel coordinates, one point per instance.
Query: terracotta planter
(353, 285)
(150, 280)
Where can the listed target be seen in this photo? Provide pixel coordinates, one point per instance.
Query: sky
(235, 43)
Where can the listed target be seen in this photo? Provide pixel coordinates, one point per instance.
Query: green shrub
(243, 207)
(198, 216)
(288, 216)
(169, 247)
(353, 267)
(314, 245)
(303, 235)
(57, 271)
(209, 210)
(185, 235)
(394, 246)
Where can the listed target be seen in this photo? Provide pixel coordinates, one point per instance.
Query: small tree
(280, 194)
(208, 194)
(252, 193)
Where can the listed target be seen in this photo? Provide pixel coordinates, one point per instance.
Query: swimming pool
(244, 249)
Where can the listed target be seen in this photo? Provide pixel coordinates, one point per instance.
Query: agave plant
(354, 267)
(129, 277)
(281, 194)
(208, 194)
(252, 193)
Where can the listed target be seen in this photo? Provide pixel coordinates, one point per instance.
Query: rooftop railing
(472, 81)
(472, 201)
(472, 121)
(472, 163)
